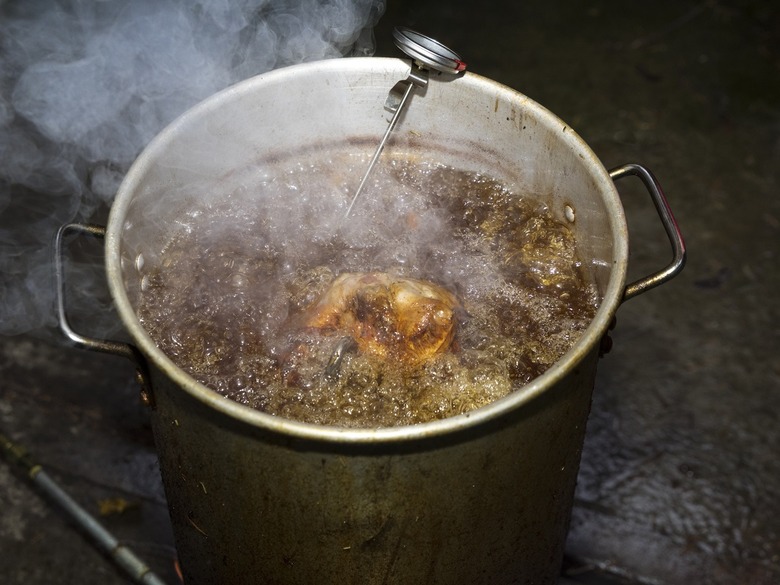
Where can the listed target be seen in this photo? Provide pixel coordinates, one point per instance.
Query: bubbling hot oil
(225, 300)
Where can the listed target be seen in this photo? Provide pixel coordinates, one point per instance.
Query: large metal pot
(483, 497)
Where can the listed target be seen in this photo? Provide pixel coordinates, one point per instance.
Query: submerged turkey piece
(390, 317)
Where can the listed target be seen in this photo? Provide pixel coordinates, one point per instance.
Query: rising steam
(84, 85)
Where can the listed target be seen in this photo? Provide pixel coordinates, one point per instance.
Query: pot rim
(589, 339)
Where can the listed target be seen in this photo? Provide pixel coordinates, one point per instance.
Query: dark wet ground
(680, 474)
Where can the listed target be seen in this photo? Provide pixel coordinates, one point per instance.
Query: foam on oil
(223, 299)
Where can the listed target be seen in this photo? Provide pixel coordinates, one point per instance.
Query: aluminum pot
(483, 497)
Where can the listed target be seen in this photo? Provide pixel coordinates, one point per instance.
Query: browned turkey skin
(391, 317)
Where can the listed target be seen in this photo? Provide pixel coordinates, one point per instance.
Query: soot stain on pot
(234, 333)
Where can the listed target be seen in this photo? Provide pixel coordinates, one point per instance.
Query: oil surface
(226, 300)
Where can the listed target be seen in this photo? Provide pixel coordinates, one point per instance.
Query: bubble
(253, 266)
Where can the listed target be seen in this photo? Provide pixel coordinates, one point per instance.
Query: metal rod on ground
(104, 540)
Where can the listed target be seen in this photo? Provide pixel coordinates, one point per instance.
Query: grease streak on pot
(481, 497)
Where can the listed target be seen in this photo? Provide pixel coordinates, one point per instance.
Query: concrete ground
(680, 473)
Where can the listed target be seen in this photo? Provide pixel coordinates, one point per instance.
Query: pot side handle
(119, 348)
(670, 225)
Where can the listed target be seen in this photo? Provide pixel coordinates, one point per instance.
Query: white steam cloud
(86, 84)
